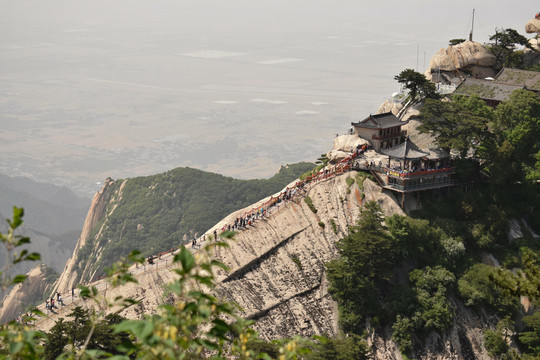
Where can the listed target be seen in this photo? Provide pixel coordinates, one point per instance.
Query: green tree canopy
(366, 261)
(513, 152)
(458, 125)
(417, 84)
(503, 46)
(453, 42)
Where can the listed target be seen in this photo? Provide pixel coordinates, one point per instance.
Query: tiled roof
(486, 89)
(405, 150)
(529, 79)
(379, 121)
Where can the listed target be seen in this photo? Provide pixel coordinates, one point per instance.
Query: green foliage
(494, 343)
(322, 225)
(365, 261)
(402, 331)
(469, 217)
(350, 181)
(334, 226)
(478, 289)
(413, 238)
(296, 260)
(75, 333)
(458, 125)
(196, 325)
(229, 234)
(417, 84)
(159, 212)
(309, 203)
(340, 348)
(531, 336)
(17, 341)
(454, 42)
(175, 332)
(11, 241)
(512, 154)
(524, 280)
(504, 47)
(432, 286)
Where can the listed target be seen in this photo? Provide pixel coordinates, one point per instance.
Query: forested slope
(158, 212)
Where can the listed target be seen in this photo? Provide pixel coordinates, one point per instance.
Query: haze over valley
(126, 88)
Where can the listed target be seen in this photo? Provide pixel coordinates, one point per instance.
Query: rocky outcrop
(24, 294)
(276, 274)
(97, 211)
(343, 146)
(532, 26)
(397, 108)
(532, 57)
(277, 266)
(467, 57)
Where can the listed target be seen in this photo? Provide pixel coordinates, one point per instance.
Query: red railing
(410, 175)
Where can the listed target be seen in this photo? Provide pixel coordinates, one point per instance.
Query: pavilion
(411, 169)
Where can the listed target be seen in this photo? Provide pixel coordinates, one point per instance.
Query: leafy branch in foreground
(197, 325)
(11, 242)
(17, 340)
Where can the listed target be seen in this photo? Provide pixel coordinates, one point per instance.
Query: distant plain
(86, 95)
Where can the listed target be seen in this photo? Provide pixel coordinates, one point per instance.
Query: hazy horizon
(92, 89)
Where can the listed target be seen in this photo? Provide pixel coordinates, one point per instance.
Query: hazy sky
(90, 89)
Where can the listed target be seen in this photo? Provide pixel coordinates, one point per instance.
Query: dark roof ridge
(382, 114)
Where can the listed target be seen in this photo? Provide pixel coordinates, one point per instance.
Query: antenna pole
(472, 27)
(417, 54)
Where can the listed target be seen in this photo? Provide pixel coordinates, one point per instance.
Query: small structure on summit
(411, 169)
(381, 130)
(495, 90)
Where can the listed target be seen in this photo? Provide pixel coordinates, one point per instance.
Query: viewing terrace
(410, 169)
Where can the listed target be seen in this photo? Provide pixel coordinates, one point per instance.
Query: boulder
(348, 143)
(531, 57)
(344, 145)
(461, 56)
(390, 106)
(532, 26)
(336, 156)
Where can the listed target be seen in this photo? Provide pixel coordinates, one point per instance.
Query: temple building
(493, 91)
(411, 169)
(381, 130)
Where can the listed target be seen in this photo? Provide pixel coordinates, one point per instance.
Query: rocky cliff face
(276, 266)
(276, 273)
(96, 213)
(22, 294)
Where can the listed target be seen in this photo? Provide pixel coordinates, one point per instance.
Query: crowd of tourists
(249, 217)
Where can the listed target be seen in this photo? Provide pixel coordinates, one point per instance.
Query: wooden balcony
(389, 136)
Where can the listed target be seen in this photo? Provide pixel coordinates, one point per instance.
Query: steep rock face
(276, 266)
(95, 214)
(31, 290)
(276, 274)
